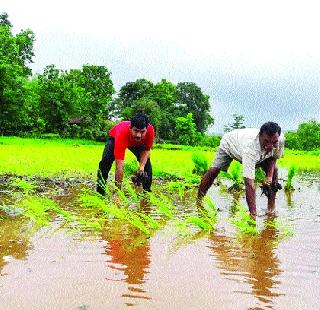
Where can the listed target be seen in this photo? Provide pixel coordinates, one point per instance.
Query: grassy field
(80, 158)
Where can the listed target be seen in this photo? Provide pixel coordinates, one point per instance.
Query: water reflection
(128, 251)
(14, 241)
(251, 259)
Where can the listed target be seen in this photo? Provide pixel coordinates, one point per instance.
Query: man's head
(269, 136)
(138, 126)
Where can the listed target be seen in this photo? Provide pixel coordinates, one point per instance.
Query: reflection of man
(129, 251)
(253, 258)
(137, 135)
(252, 147)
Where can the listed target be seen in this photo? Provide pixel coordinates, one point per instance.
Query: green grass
(302, 160)
(80, 158)
(72, 158)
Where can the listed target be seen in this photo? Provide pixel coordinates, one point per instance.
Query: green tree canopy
(98, 87)
(190, 99)
(237, 123)
(15, 54)
(186, 132)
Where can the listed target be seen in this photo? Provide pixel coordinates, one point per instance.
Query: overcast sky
(257, 58)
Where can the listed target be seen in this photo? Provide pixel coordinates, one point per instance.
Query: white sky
(234, 50)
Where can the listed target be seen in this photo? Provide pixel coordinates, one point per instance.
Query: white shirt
(244, 146)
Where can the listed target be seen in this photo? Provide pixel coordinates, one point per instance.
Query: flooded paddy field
(65, 257)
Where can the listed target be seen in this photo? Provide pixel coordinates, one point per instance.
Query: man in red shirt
(138, 136)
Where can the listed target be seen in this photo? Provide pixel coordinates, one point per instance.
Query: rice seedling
(131, 191)
(23, 184)
(243, 222)
(37, 209)
(288, 187)
(137, 219)
(130, 167)
(234, 174)
(260, 175)
(206, 219)
(200, 163)
(163, 204)
(178, 186)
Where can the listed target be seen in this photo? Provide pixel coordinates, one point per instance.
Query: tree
(4, 20)
(308, 135)
(15, 53)
(190, 99)
(98, 86)
(60, 99)
(134, 90)
(165, 94)
(24, 41)
(237, 123)
(186, 130)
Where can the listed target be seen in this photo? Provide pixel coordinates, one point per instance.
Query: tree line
(83, 103)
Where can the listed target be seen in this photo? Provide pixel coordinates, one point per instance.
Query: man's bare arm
(251, 196)
(119, 172)
(270, 170)
(144, 156)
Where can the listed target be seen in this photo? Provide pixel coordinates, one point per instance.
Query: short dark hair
(270, 128)
(139, 121)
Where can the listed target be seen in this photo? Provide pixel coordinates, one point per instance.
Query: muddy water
(51, 268)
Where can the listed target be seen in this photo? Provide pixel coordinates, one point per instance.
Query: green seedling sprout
(200, 163)
(23, 184)
(234, 174)
(243, 222)
(289, 184)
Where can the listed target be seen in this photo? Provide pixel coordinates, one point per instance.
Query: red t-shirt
(123, 138)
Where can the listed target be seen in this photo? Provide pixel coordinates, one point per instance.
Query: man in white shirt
(252, 147)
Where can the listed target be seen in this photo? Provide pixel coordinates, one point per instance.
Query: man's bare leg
(272, 198)
(207, 181)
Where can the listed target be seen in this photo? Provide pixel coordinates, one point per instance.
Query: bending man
(252, 147)
(138, 136)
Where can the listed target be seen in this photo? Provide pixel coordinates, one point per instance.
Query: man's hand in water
(267, 188)
(139, 177)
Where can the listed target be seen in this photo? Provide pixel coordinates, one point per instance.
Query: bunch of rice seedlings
(130, 167)
(23, 185)
(200, 163)
(234, 174)
(260, 175)
(242, 220)
(37, 209)
(289, 184)
(120, 210)
(207, 216)
(163, 204)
